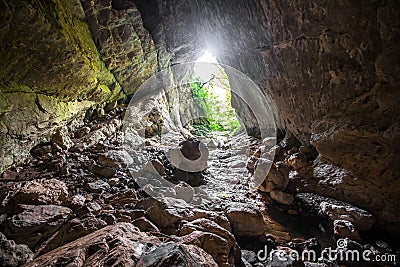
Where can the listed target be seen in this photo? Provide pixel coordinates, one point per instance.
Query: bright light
(206, 68)
(207, 57)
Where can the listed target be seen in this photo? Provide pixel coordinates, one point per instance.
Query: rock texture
(59, 59)
(333, 80)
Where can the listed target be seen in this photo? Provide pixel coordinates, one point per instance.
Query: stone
(145, 225)
(105, 172)
(164, 213)
(297, 160)
(12, 254)
(121, 243)
(184, 191)
(35, 223)
(71, 231)
(62, 139)
(277, 178)
(361, 219)
(81, 132)
(177, 255)
(36, 192)
(119, 199)
(251, 164)
(246, 220)
(115, 159)
(213, 244)
(344, 228)
(97, 186)
(202, 232)
(282, 197)
(113, 181)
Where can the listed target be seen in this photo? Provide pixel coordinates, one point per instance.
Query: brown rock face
(123, 244)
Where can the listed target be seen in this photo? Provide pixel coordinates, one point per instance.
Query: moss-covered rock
(53, 68)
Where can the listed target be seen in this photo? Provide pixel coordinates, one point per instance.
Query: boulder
(36, 192)
(277, 178)
(177, 255)
(246, 220)
(362, 220)
(35, 223)
(97, 186)
(184, 191)
(282, 197)
(120, 244)
(71, 231)
(297, 160)
(12, 254)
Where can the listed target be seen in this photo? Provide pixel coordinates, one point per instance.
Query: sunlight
(207, 57)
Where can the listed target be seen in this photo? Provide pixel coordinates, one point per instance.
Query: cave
(199, 133)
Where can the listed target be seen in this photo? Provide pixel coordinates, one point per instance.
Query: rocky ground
(74, 203)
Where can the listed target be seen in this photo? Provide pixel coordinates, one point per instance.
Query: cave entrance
(210, 87)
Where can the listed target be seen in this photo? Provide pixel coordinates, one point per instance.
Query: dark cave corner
(114, 151)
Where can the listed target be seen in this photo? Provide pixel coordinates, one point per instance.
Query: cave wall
(331, 69)
(61, 57)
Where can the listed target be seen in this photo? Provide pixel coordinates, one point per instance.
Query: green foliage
(219, 114)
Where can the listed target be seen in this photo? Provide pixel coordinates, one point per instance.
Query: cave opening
(211, 90)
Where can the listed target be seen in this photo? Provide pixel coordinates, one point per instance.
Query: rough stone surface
(12, 254)
(35, 223)
(36, 192)
(344, 228)
(361, 219)
(246, 220)
(282, 197)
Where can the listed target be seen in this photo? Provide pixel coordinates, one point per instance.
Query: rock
(105, 172)
(361, 219)
(97, 186)
(12, 254)
(177, 255)
(145, 225)
(127, 196)
(71, 231)
(246, 220)
(277, 178)
(115, 159)
(36, 192)
(282, 197)
(42, 150)
(184, 191)
(81, 132)
(35, 223)
(297, 160)
(344, 228)
(113, 181)
(166, 212)
(121, 244)
(202, 232)
(216, 246)
(62, 139)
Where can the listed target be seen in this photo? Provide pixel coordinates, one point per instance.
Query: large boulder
(35, 223)
(123, 244)
(246, 220)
